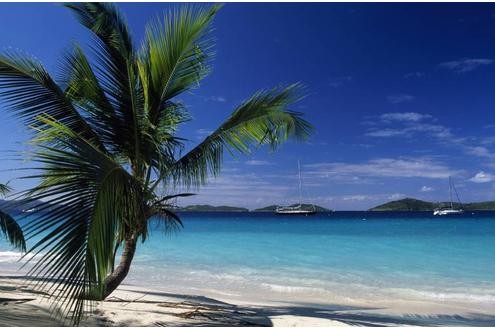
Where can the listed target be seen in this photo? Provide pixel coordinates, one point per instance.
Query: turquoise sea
(340, 257)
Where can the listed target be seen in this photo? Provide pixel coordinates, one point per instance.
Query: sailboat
(450, 210)
(297, 209)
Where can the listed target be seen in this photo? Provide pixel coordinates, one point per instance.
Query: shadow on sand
(219, 313)
(19, 307)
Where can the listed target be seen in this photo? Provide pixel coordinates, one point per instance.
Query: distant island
(411, 204)
(272, 208)
(210, 208)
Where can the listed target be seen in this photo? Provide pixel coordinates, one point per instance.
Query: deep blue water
(326, 258)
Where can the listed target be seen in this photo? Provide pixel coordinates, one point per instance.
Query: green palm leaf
(174, 56)
(29, 91)
(89, 198)
(12, 231)
(264, 119)
(9, 226)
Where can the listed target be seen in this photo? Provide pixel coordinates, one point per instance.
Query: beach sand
(137, 306)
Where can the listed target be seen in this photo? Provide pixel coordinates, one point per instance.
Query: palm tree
(9, 227)
(106, 143)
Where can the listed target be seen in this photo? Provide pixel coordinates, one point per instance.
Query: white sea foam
(291, 289)
(10, 256)
(452, 296)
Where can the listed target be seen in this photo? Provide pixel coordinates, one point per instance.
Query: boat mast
(450, 192)
(300, 182)
(457, 195)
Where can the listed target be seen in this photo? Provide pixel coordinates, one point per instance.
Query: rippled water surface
(342, 256)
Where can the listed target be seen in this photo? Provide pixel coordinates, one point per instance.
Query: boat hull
(447, 212)
(295, 212)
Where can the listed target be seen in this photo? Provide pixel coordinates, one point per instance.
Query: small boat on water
(297, 209)
(450, 210)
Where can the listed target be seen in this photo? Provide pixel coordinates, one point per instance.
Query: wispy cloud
(218, 99)
(359, 198)
(258, 163)
(482, 177)
(383, 167)
(202, 133)
(413, 75)
(385, 133)
(214, 98)
(336, 82)
(404, 117)
(409, 125)
(396, 196)
(479, 151)
(400, 98)
(426, 189)
(466, 64)
(242, 189)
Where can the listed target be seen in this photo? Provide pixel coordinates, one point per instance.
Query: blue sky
(401, 95)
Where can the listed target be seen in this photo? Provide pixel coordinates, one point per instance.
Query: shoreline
(132, 305)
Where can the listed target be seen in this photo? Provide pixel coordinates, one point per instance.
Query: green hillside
(210, 208)
(480, 206)
(272, 208)
(406, 204)
(411, 204)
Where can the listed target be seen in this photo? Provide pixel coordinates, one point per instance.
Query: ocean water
(341, 257)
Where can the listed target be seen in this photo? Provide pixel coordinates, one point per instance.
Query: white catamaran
(297, 209)
(450, 210)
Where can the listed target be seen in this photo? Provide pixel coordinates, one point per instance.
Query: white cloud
(258, 163)
(358, 198)
(411, 124)
(336, 82)
(400, 98)
(482, 177)
(217, 98)
(235, 189)
(396, 196)
(202, 133)
(466, 65)
(413, 75)
(479, 151)
(409, 129)
(404, 117)
(214, 98)
(426, 189)
(383, 167)
(386, 133)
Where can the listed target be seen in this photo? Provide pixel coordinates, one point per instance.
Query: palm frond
(264, 119)
(106, 22)
(88, 198)
(84, 89)
(29, 91)
(4, 189)
(117, 73)
(12, 231)
(174, 56)
(169, 197)
(166, 218)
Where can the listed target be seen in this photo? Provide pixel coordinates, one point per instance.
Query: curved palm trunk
(118, 275)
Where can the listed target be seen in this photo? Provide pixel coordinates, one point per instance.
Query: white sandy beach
(137, 306)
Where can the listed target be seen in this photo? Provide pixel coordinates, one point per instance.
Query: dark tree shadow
(204, 311)
(196, 310)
